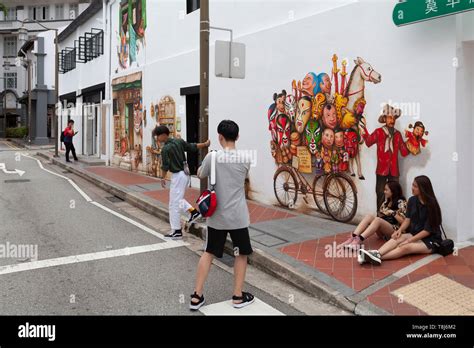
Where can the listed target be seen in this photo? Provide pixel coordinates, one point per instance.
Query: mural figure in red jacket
(389, 142)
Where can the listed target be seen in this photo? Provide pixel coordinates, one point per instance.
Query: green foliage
(18, 132)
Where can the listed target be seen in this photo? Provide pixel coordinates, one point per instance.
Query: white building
(82, 83)
(424, 67)
(51, 14)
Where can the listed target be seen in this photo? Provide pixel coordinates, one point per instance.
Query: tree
(3, 8)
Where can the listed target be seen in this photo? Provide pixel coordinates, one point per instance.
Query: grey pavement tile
(151, 187)
(301, 228)
(268, 240)
(136, 188)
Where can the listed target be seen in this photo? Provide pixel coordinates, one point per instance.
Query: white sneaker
(374, 256)
(360, 256)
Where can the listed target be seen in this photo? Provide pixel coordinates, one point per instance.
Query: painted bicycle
(334, 194)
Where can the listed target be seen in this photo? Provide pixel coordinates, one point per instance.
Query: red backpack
(207, 201)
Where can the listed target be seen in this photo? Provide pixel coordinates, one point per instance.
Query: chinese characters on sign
(412, 11)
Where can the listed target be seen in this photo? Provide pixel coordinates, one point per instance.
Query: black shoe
(194, 306)
(68, 161)
(194, 216)
(175, 235)
(246, 298)
(76, 159)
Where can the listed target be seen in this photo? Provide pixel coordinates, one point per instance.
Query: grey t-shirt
(231, 170)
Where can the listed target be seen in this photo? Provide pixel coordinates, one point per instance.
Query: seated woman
(422, 227)
(391, 214)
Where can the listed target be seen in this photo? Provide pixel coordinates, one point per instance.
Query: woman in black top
(389, 217)
(420, 231)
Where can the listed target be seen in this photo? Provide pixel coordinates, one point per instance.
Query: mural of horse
(363, 72)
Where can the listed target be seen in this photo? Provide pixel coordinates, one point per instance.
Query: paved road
(99, 257)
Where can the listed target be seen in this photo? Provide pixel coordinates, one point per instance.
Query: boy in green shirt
(173, 159)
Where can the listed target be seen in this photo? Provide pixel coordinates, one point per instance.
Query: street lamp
(23, 32)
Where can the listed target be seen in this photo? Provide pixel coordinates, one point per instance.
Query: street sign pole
(204, 81)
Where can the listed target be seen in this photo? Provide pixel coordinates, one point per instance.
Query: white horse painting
(362, 72)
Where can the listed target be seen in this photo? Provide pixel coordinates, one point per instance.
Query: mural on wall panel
(320, 127)
(128, 121)
(164, 113)
(131, 35)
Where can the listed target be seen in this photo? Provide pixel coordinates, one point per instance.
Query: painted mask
(339, 139)
(313, 136)
(309, 84)
(351, 143)
(328, 138)
(283, 130)
(325, 84)
(330, 116)
(303, 113)
(272, 113)
(290, 106)
(279, 99)
(319, 101)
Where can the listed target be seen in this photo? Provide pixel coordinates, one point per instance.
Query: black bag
(62, 137)
(446, 247)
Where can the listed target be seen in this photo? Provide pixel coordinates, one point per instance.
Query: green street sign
(412, 11)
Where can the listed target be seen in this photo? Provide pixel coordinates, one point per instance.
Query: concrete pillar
(41, 122)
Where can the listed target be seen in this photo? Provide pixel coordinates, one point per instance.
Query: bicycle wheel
(285, 186)
(318, 193)
(340, 197)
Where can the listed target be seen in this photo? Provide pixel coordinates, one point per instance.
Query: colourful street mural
(164, 113)
(129, 118)
(320, 128)
(132, 19)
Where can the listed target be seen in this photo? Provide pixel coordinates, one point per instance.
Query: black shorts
(215, 241)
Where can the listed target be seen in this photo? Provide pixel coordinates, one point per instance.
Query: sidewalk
(300, 249)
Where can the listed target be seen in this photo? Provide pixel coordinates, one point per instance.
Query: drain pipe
(107, 15)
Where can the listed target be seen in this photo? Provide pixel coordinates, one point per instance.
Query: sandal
(194, 306)
(246, 298)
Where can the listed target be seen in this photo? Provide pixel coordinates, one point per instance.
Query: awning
(127, 82)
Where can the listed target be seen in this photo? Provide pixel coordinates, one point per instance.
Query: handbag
(207, 201)
(186, 168)
(446, 247)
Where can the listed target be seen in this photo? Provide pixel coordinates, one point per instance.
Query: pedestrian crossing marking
(225, 308)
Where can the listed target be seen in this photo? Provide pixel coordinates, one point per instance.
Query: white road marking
(82, 193)
(28, 266)
(133, 222)
(225, 308)
(6, 171)
(46, 170)
(88, 199)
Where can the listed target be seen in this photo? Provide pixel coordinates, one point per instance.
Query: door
(92, 114)
(192, 129)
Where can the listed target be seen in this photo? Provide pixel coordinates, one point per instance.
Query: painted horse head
(367, 71)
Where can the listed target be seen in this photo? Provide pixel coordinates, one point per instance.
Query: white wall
(84, 75)
(415, 62)
(412, 60)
